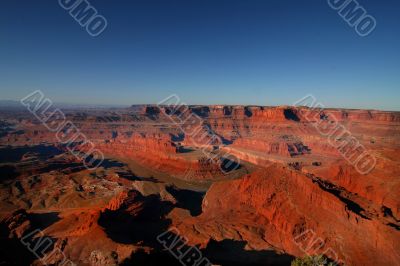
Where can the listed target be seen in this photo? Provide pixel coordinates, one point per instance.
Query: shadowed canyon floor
(245, 185)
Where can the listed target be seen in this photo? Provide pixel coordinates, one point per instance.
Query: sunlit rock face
(247, 185)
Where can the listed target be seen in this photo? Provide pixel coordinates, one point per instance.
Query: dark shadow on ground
(224, 253)
(14, 251)
(151, 179)
(15, 154)
(232, 253)
(139, 219)
(7, 172)
(129, 176)
(290, 115)
(43, 220)
(155, 258)
(187, 199)
(178, 137)
(229, 165)
(61, 166)
(183, 149)
(108, 163)
(247, 111)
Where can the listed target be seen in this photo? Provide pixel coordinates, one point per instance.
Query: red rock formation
(277, 147)
(301, 185)
(16, 223)
(287, 209)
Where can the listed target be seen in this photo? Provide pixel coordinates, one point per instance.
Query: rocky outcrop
(292, 211)
(298, 188)
(16, 224)
(281, 147)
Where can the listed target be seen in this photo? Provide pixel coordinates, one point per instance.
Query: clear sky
(261, 52)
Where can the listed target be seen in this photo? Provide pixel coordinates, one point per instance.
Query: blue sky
(261, 52)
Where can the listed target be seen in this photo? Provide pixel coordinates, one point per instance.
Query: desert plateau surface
(199, 185)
